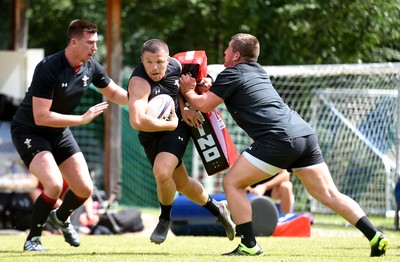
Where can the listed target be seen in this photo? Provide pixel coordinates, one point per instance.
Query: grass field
(331, 240)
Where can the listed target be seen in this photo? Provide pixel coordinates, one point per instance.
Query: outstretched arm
(45, 117)
(115, 93)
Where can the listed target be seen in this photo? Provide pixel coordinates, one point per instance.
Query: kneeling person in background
(277, 187)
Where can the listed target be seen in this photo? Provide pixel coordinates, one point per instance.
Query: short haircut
(247, 45)
(155, 45)
(78, 27)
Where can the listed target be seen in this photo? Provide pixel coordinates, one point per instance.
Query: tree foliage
(290, 31)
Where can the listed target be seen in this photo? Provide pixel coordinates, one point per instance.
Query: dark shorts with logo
(30, 141)
(174, 142)
(288, 153)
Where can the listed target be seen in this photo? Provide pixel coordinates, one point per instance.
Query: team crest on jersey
(28, 143)
(85, 79)
(157, 91)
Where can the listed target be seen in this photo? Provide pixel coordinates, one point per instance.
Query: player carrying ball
(164, 141)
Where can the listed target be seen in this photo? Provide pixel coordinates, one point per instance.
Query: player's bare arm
(44, 117)
(139, 91)
(115, 93)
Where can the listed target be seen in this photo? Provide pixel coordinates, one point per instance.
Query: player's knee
(84, 191)
(53, 190)
(89, 191)
(162, 175)
(286, 187)
(57, 188)
(229, 184)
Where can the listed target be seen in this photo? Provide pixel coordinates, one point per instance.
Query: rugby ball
(160, 106)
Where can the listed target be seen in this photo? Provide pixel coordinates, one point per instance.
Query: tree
(49, 19)
(290, 31)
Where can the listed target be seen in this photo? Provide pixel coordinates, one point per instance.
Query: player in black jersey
(40, 130)
(282, 140)
(165, 141)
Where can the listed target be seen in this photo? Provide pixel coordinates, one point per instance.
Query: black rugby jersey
(55, 79)
(255, 105)
(169, 85)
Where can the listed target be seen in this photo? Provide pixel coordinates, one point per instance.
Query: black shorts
(268, 193)
(174, 142)
(30, 141)
(289, 153)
